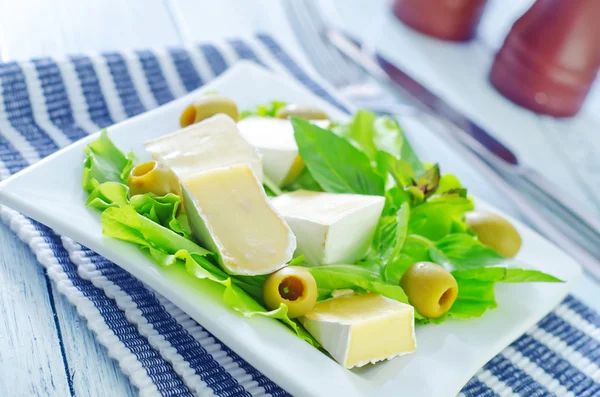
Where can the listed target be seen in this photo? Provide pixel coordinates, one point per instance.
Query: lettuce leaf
(435, 219)
(462, 251)
(163, 210)
(160, 209)
(105, 162)
(108, 194)
(167, 248)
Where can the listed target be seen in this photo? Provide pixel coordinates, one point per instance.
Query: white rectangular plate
(447, 355)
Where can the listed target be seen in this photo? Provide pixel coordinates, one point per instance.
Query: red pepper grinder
(551, 57)
(453, 20)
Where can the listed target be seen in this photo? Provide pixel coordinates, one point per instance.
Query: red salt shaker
(551, 57)
(453, 20)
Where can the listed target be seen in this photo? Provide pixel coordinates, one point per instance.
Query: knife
(579, 224)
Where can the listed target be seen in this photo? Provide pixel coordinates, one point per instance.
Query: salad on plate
(335, 228)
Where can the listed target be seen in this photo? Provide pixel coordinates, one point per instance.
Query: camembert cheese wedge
(331, 228)
(229, 213)
(209, 144)
(274, 140)
(361, 329)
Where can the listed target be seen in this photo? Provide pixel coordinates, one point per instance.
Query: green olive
(306, 112)
(207, 106)
(152, 177)
(495, 232)
(294, 286)
(430, 288)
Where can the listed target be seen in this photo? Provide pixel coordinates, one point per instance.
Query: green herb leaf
(393, 234)
(304, 181)
(476, 287)
(335, 164)
(371, 134)
(400, 170)
(505, 275)
(271, 187)
(415, 249)
(389, 137)
(448, 182)
(394, 198)
(360, 130)
(330, 278)
(430, 180)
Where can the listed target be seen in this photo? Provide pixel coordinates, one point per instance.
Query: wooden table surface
(46, 349)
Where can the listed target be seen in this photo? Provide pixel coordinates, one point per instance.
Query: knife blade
(576, 223)
(381, 68)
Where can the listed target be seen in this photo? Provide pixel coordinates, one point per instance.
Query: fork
(350, 80)
(353, 83)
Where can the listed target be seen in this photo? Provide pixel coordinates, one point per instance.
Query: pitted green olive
(495, 232)
(430, 288)
(152, 177)
(306, 112)
(294, 286)
(207, 106)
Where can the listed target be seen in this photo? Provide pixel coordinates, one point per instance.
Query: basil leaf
(388, 136)
(304, 181)
(415, 249)
(476, 287)
(270, 187)
(505, 275)
(429, 181)
(360, 130)
(394, 198)
(448, 182)
(335, 164)
(372, 133)
(338, 277)
(394, 234)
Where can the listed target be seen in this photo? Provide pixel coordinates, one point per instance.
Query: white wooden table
(45, 348)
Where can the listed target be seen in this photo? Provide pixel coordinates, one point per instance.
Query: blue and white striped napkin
(46, 104)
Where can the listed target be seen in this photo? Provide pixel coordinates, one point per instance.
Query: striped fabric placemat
(46, 104)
